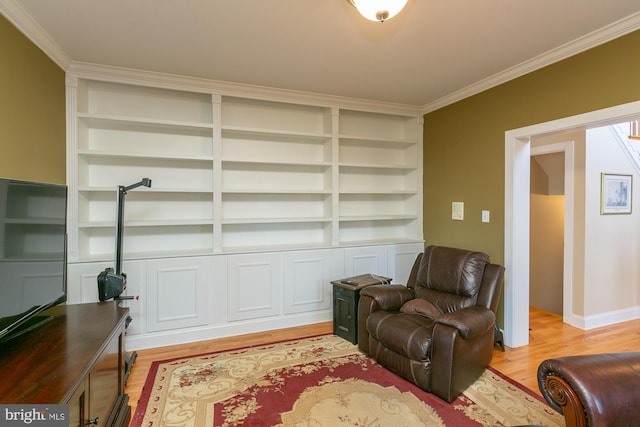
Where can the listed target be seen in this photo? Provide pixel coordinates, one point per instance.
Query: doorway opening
(547, 223)
(517, 213)
(558, 204)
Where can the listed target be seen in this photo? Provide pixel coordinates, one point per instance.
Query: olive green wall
(32, 110)
(464, 142)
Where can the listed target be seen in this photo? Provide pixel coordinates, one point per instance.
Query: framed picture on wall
(615, 194)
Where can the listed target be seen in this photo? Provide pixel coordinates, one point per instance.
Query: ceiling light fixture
(378, 10)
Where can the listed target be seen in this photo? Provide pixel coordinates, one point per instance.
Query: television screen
(33, 237)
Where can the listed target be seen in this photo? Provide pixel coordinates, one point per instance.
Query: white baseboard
(189, 335)
(603, 319)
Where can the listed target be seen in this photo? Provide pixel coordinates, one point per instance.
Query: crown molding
(16, 14)
(610, 32)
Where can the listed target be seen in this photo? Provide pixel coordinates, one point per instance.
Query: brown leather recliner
(437, 331)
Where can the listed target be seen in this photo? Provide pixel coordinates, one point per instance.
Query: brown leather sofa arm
(460, 360)
(470, 321)
(593, 390)
(388, 297)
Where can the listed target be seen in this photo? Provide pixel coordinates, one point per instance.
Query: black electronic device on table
(33, 254)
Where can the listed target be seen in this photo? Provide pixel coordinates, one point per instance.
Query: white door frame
(516, 224)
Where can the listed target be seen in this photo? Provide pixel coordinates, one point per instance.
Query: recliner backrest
(449, 278)
(491, 289)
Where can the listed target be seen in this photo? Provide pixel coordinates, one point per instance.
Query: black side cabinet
(346, 293)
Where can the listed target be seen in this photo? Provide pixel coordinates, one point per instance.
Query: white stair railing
(630, 146)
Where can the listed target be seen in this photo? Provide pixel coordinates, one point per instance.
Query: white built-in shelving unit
(127, 132)
(276, 163)
(236, 172)
(379, 160)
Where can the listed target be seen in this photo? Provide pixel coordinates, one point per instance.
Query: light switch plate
(485, 216)
(457, 211)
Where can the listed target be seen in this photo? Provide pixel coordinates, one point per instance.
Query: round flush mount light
(378, 10)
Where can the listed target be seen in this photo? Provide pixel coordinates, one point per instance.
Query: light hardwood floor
(549, 337)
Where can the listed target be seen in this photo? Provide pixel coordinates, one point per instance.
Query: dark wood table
(76, 358)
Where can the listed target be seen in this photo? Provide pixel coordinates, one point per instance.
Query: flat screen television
(33, 253)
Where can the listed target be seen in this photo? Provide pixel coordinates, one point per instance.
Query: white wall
(612, 242)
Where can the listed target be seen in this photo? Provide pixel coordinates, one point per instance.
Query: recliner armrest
(470, 322)
(593, 389)
(388, 297)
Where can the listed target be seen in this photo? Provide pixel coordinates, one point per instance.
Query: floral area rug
(321, 381)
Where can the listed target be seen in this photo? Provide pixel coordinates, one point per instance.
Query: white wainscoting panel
(307, 277)
(177, 293)
(196, 298)
(365, 259)
(400, 259)
(254, 285)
